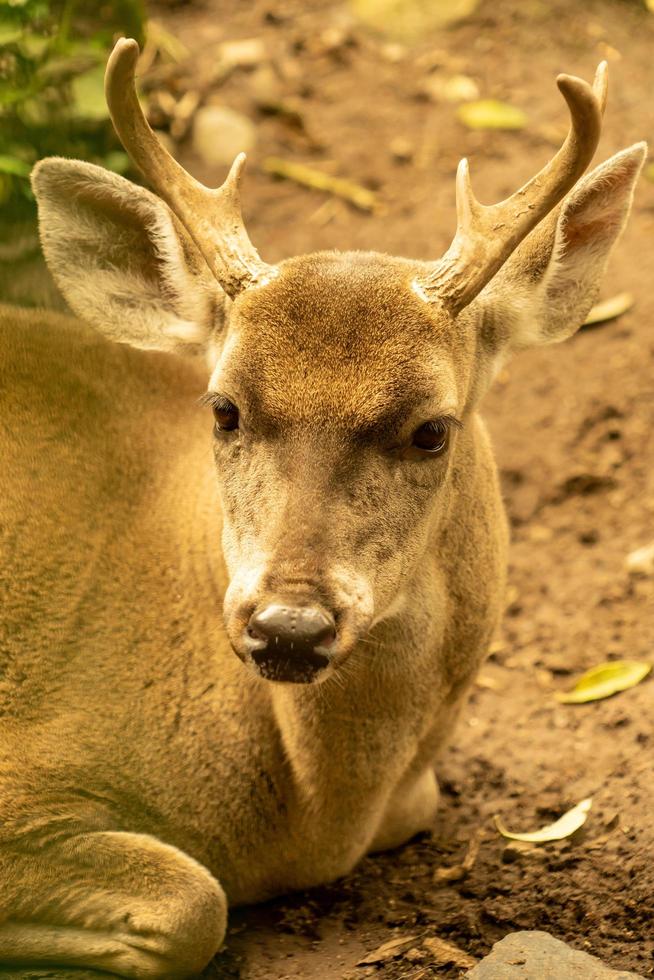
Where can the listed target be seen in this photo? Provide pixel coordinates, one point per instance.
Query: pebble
(220, 133)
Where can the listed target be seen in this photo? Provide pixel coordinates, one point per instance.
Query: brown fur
(148, 777)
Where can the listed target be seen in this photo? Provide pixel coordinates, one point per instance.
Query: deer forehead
(342, 335)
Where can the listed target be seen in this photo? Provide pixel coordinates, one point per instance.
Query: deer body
(146, 582)
(347, 542)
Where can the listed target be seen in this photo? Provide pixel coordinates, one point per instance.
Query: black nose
(290, 643)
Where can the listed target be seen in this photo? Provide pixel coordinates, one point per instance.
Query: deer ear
(544, 292)
(122, 260)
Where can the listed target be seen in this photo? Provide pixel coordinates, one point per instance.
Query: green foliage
(52, 56)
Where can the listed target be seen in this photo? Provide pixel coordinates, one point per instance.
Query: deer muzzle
(288, 642)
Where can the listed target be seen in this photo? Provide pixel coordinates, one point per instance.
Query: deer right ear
(121, 259)
(545, 290)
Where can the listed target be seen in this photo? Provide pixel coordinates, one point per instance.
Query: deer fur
(148, 777)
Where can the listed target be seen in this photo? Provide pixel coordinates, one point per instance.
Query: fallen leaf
(387, 951)
(447, 953)
(564, 827)
(491, 114)
(360, 196)
(641, 561)
(604, 680)
(409, 20)
(609, 309)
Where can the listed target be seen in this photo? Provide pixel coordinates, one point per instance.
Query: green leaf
(14, 166)
(88, 94)
(604, 680)
(564, 827)
(9, 33)
(491, 114)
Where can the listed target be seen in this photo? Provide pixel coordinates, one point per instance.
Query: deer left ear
(122, 260)
(546, 289)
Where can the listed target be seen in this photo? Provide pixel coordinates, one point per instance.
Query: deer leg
(411, 808)
(120, 902)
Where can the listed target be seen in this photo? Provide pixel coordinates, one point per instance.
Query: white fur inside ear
(121, 259)
(186, 332)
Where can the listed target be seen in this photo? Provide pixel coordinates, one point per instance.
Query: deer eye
(431, 437)
(225, 414)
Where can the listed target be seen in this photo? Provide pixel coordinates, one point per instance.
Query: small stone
(641, 561)
(401, 149)
(219, 134)
(394, 52)
(455, 88)
(530, 954)
(245, 53)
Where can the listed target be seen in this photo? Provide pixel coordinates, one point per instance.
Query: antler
(212, 217)
(486, 236)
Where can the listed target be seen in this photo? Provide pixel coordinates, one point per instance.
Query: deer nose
(290, 643)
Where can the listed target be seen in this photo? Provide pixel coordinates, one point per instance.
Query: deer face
(340, 379)
(337, 397)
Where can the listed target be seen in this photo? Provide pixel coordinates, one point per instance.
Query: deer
(236, 636)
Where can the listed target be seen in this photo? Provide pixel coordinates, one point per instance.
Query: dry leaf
(491, 114)
(609, 309)
(387, 951)
(604, 680)
(447, 953)
(360, 196)
(564, 827)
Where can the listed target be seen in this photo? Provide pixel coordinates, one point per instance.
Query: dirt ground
(572, 428)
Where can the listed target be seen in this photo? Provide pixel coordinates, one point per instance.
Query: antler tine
(212, 217)
(486, 236)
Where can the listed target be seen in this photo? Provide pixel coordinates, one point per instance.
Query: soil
(572, 427)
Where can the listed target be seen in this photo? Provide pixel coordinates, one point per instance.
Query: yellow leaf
(360, 196)
(604, 680)
(609, 309)
(491, 114)
(410, 20)
(564, 827)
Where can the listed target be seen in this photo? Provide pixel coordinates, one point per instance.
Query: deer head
(343, 385)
